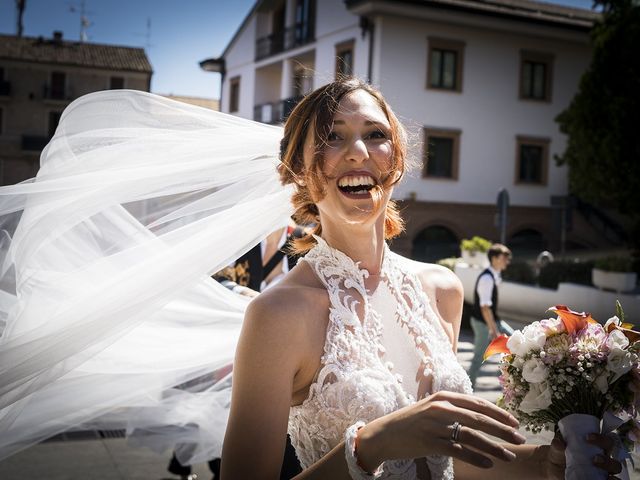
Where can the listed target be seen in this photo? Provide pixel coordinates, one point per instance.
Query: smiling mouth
(356, 184)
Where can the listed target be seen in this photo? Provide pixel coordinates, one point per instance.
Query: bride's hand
(427, 428)
(555, 457)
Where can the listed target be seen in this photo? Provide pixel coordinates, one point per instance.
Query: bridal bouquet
(572, 372)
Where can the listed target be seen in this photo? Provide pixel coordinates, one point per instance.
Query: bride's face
(356, 158)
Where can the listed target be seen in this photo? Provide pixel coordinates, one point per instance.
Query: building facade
(477, 84)
(39, 77)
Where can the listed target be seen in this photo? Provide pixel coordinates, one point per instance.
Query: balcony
(5, 89)
(283, 40)
(34, 143)
(275, 112)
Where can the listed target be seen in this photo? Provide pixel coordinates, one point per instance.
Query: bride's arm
(268, 357)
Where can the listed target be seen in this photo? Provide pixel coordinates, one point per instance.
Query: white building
(479, 81)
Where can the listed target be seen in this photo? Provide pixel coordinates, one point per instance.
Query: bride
(108, 304)
(353, 353)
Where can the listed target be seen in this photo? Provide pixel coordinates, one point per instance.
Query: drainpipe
(367, 27)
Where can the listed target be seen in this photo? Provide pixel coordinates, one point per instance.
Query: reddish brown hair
(315, 114)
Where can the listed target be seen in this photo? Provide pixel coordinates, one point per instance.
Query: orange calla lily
(498, 345)
(572, 321)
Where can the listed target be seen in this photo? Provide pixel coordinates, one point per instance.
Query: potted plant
(614, 273)
(474, 251)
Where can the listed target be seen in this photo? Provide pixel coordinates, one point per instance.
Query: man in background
(485, 322)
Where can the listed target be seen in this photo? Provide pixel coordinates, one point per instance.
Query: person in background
(485, 322)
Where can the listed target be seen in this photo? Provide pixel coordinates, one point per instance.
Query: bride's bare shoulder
(299, 298)
(435, 278)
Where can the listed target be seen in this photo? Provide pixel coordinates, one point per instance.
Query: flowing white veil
(105, 295)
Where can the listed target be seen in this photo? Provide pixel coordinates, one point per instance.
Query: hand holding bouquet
(558, 367)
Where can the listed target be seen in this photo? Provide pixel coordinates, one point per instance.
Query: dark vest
(494, 298)
(248, 270)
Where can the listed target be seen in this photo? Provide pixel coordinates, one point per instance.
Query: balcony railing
(275, 112)
(34, 143)
(283, 40)
(5, 89)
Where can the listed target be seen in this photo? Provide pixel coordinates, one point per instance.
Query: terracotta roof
(525, 10)
(63, 52)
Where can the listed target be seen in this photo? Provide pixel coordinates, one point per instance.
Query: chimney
(57, 37)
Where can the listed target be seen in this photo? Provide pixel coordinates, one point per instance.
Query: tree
(603, 120)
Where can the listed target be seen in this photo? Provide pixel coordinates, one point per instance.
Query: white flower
(537, 398)
(612, 321)
(602, 382)
(534, 370)
(619, 362)
(617, 340)
(532, 337)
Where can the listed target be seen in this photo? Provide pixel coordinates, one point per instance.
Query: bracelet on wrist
(351, 454)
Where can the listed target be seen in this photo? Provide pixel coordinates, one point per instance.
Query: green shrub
(476, 244)
(614, 264)
(520, 272)
(450, 262)
(571, 271)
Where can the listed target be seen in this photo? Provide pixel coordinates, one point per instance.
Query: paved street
(83, 458)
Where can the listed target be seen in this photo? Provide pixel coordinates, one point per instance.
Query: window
(1, 119)
(58, 80)
(305, 14)
(54, 120)
(536, 74)
(441, 153)
(532, 158)
(445, 64)
(234, 94)
(344, 59)
(116, 83)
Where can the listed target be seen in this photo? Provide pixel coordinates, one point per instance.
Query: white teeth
(356, 180)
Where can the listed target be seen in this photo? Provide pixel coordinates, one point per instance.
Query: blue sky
(182, 32)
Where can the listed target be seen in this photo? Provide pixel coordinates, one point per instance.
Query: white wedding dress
(383, 350)
(109, 318)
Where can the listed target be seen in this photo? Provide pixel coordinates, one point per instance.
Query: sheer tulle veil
(109, 317)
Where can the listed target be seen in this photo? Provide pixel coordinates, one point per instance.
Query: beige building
(39, 77)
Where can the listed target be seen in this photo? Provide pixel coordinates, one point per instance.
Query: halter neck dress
(384, 350)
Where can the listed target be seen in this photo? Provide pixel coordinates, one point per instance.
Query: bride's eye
(333, 137)
(377, 134)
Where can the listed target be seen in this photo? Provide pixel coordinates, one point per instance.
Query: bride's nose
(357, 151)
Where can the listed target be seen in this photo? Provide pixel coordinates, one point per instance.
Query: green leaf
(619, 311)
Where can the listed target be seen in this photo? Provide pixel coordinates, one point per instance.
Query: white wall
(487, 112)
(239, 61)
(522, 304)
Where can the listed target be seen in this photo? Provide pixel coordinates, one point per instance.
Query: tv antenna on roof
(146, 35)
(85, 23)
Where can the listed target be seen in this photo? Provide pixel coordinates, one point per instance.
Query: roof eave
(368, 7)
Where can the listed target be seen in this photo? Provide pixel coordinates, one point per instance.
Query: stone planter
(616, 281)
(475, 259)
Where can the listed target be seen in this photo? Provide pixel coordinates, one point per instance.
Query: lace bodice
(357, 379)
